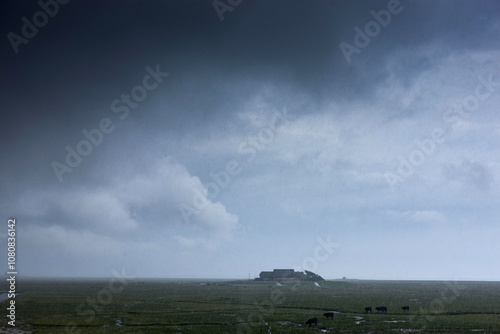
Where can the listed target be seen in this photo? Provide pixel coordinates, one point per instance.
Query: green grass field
(96, 306)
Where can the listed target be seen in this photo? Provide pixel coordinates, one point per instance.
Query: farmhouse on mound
(288, 275)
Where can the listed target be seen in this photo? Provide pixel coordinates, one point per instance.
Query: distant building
(265, 276)
(284, 275)
(281, 275)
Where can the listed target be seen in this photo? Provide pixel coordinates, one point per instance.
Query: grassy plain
(152, 306)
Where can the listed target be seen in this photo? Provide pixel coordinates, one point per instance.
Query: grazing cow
(368, 309)
(381, 309)
(328, 315)
(406, 308)
(312, 321)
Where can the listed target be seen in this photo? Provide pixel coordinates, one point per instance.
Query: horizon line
(253, 279)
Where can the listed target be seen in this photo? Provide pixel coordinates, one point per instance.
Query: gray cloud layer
(282, 183)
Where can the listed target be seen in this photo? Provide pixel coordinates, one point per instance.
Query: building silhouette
(288, 275)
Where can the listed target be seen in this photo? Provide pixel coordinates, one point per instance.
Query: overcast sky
(220, 139)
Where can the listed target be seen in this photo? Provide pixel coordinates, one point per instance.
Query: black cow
(328, 315)
(368, 309)
(381, 309)
(406, 308)
(312, 321)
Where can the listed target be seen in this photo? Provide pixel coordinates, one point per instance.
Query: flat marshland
(156, 306)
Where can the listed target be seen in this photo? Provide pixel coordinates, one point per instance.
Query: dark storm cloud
(65, 78)
(90, 52)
